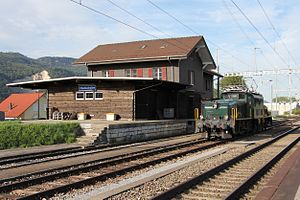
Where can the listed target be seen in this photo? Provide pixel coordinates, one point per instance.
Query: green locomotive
(238, 111)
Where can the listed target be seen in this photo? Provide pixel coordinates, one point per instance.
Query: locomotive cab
(238, 111)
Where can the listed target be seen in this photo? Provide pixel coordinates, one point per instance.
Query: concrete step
(92, 133)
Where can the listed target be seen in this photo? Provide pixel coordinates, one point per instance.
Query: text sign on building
(169, 113)
(87, 88)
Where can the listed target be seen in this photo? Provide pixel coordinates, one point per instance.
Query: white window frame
(79, 99)
(133, 72)
(191, 77)
(105, 73)
(98, 93)
(85, 96)
(157, 73)
(127, 72)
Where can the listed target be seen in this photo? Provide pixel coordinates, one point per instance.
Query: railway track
(234, 177)
(49, 182)
(52, 155)
(8, 162)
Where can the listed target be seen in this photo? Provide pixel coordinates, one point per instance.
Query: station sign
(87, 88)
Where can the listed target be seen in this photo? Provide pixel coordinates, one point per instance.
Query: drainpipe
(172, 67)
(177, 95)
(134, 97)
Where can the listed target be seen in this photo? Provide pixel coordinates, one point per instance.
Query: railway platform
(36, 149)
(285, 184)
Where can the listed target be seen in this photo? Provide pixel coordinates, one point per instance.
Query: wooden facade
(117, 98)
(137, 80)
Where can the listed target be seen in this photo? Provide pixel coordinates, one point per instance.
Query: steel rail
(180, 188)
(81, 183)
(22, 157)
(51, 153)
(94, 162)
(79, 168)
(58, 152)
(247, 184)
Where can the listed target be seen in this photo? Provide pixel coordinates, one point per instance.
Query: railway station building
(151, 79)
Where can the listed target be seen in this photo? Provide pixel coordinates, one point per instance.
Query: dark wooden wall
(114, 101)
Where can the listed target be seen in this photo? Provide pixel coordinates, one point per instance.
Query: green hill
(15, 67)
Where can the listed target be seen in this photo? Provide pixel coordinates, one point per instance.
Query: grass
(16, 134)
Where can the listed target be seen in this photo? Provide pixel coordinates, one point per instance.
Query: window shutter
(111, 73)
(149, 72)
(164, 73)
(140, 72)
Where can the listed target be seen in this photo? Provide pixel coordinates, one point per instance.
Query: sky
(39, 28)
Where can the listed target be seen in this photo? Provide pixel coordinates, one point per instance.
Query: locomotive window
(241, 96)
(234, 96)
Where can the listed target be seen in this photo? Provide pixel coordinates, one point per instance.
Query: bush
(296, 111)
(16, 134)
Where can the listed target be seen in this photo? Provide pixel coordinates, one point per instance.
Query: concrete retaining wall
(134, 132)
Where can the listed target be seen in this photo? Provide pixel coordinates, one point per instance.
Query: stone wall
(134, 132)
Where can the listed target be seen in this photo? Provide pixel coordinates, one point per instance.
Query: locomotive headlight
(201, 116)
(225, 117)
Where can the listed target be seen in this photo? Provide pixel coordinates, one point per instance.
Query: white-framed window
(191, 77)
(89, 95)
(157, 73)
(127, 72)
(98, 95)
(105, 73)
(133, 72)
(130, 72)
(79, 96)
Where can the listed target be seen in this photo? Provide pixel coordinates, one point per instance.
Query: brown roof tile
(140, 50)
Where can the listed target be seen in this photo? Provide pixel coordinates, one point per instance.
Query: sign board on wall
(169, 113)
(87, 88)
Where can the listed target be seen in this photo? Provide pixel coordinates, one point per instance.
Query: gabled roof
(16, 104)
(146, 50)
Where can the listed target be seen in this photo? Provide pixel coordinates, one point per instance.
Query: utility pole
(255, 64)
(218, 70)
(271, 96)
(290, 94)
(276, 101)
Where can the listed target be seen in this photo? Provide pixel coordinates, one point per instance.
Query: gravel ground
(153, 187)
(253, 191)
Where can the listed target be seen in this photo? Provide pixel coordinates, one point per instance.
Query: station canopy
(137, 81)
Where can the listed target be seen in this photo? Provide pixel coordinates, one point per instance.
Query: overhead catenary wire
(276, 32)
(259, 33)
(243, 31)
(121, 22)
(195, 32)
(246, 35)
(145, 22)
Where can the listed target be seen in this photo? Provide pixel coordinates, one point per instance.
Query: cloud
(60, 27)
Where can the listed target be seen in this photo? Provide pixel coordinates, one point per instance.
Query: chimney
(10, 106)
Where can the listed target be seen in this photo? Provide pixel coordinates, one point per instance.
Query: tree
(284, 99)
(228, 81)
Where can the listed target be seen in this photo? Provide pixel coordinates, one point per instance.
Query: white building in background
(281, 108)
